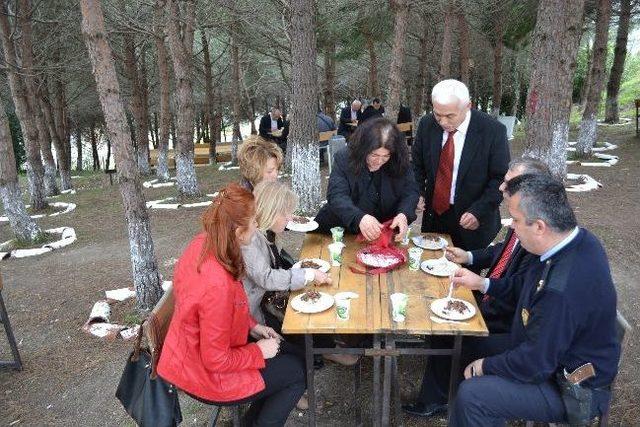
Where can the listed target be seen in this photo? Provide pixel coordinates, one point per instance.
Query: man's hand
(468, 279)
(469, 222)
(474, 369)
(370, 227)
(457, 255)
(400, 222)
(263, 332)
(420, 207)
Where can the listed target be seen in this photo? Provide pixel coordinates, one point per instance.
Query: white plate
(324, 303)
(426, 243)
(324, 265)
(307, 226)
(438, 268)
(378, 261)
(438, 307)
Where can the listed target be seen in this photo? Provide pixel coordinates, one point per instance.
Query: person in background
(206, 352)
(460, 157)
(374, 110)
(349, 118)
(258, 160)
(270, 123)
(404, 116)
(565, 319)
(371, 182)
(325, 124)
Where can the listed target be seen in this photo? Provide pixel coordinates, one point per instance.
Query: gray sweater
(260, 277)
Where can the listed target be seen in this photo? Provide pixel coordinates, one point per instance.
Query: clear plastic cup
(415, 255)
(338, 234)
(335, 253)
(343, 308)
(399, 306)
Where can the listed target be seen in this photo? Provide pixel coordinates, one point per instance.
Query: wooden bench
(4, 319)
(405, 127)
(201, 155)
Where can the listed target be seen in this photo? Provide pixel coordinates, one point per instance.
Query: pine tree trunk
(555, 38)
(235, 97)
(107, 161)
(146, 278)
(64, 136)
(304, 132)
(447, 40)
(23, 227)
(35, 170)
(137, 104)
(586, 82)
(209, 95)
(94, 147)
(496, 99)
(330, 80)
(463, 28)
(374, 85)
(612, 114)
(50, 171)
(421, 79)
(162, 168)
(79, 159)
(588, 126)
(401, 9)
(181, 52)
(61, 153)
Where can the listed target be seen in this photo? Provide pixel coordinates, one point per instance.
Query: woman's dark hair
(378, 133)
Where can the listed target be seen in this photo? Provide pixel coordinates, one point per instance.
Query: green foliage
(17, 139)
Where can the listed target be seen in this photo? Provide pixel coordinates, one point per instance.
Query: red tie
(442, 192)
(501, 265)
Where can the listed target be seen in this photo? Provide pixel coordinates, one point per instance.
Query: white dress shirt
(458, 141)
(354, 115)
(274, 124)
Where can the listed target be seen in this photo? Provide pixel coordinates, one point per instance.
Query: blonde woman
(275, 204)
(259, 160)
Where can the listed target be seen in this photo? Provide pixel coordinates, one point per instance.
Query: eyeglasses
(379, 157)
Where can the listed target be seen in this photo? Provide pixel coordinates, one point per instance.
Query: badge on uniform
(525, 316)
(540, 285)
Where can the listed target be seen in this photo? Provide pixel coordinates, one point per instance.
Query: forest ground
(70, 377)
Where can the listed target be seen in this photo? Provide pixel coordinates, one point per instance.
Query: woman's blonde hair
(253, 155)
(273, 198)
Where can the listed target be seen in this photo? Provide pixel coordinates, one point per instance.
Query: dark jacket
(404, 114)
(345, 117)
(265, 126)
(350, 196)
(484, 161)
(370, 112)
(498, 312)
(566, 317)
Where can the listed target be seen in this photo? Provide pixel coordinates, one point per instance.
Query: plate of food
(453, 309)
(311, 302)
(315, 263)
(379, 260)
(276, 133)
(302, 224)
(440, 267)
(432, 243)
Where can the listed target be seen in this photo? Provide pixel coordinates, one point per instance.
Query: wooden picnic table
(370, 314)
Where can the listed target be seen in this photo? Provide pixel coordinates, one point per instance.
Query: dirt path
(70, 377)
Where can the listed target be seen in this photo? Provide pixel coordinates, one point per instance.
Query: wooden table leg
(455, 369)
(376, 382)
(311, 392)
(386, 385)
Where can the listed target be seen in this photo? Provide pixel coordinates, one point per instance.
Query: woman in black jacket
(371, 182)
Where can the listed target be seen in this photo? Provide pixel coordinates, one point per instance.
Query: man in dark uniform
(460, 157)
(565, 318)
(349, 118)
(374, 110)
(508, 263)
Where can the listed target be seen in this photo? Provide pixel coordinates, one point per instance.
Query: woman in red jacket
(206, 352)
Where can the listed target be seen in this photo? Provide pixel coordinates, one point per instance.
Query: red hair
(231, 209)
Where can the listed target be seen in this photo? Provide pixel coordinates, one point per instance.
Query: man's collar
(464, 126)
(554, 250)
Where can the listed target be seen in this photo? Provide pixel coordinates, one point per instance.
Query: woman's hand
(370, 227)
(321, 278)
(400, 222)
(269, 347)
(263, 331)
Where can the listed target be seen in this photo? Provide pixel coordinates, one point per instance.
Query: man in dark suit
(460, 157)
(374, 110)
(271, 122)
(508, 263)
(349, 118)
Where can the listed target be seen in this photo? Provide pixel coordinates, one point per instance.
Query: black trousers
(285, 382)
(435, 381)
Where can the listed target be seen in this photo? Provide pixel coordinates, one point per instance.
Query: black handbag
(147, 398)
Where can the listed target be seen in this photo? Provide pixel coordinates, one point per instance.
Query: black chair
(622, 334)
(4, 319)
(155, 330)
